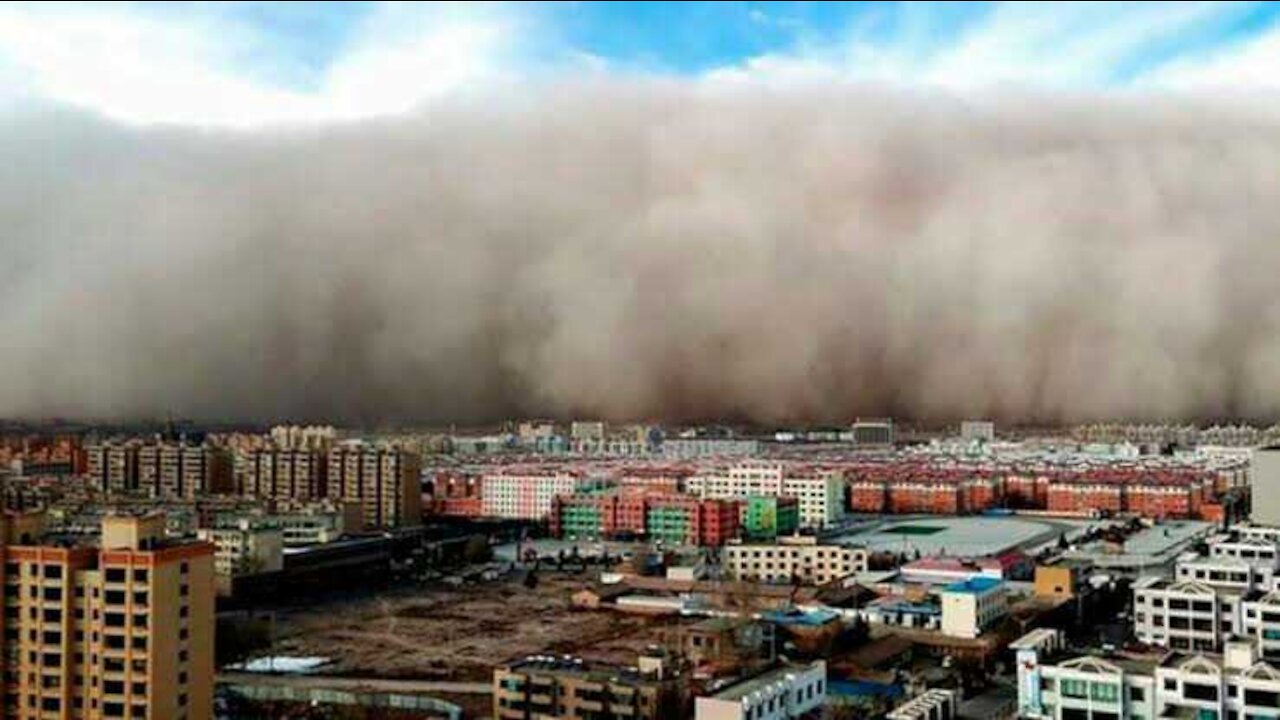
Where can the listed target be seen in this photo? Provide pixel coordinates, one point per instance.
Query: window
(115, 575)
(140, 575)
(1197, 691)
(1074, 688)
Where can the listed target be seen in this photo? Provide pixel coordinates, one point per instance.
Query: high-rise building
(159, 469)
(387, 481)
(124, 630)
(112, 466)
(183, 470)
(280, 474)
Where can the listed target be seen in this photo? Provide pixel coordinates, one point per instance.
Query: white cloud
(146, 67)
(1252, 64)
(1041, 45)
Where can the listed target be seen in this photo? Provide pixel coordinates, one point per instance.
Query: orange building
(1089, 498)
(868, 496)
(1163, 500)
(120, 631)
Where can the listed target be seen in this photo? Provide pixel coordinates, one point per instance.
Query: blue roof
(973, 585)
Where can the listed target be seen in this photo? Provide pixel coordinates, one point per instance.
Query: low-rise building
(1236, 684)
(1065, 579)
(550, 687)
(936, 704)
(970, 607)
(792, 558)
(244, 546)
(790, 691)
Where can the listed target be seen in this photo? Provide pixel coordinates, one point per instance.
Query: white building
(935, 704)
(526, 494)
(1249, 531)
(818, 493)
(969, 608)
(780, 694)
(1225, 573)
(1178, 615)
(794, 557)
(1257, 551)
(1235, 685)
(1194, 616)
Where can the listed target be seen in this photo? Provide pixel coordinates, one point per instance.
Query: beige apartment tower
(124, 630)
(291, 474)
(386, 481)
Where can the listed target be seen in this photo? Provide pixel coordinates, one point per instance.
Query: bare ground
(446, 633)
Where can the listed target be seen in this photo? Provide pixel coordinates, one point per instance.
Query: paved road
(356, 684)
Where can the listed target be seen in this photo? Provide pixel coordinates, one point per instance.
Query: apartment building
(657, 517)
(386, 481)
(547, 687)
(287, 474)
(112, 466)
(124, 630)
(1236, 684)
(1086, 498)
(782, 693)
(527, 493)
(819, 492)
(797, 557)
(167, 469)
(183, 470)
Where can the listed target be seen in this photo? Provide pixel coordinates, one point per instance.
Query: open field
(447, 633)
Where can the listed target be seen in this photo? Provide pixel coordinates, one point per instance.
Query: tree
(1062, 542)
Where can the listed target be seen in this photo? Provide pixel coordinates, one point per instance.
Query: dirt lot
(446, 633)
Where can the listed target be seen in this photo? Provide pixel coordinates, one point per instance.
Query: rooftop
(760, 682)
(976, 585)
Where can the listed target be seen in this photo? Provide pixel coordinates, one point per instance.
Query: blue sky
(256, 63)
